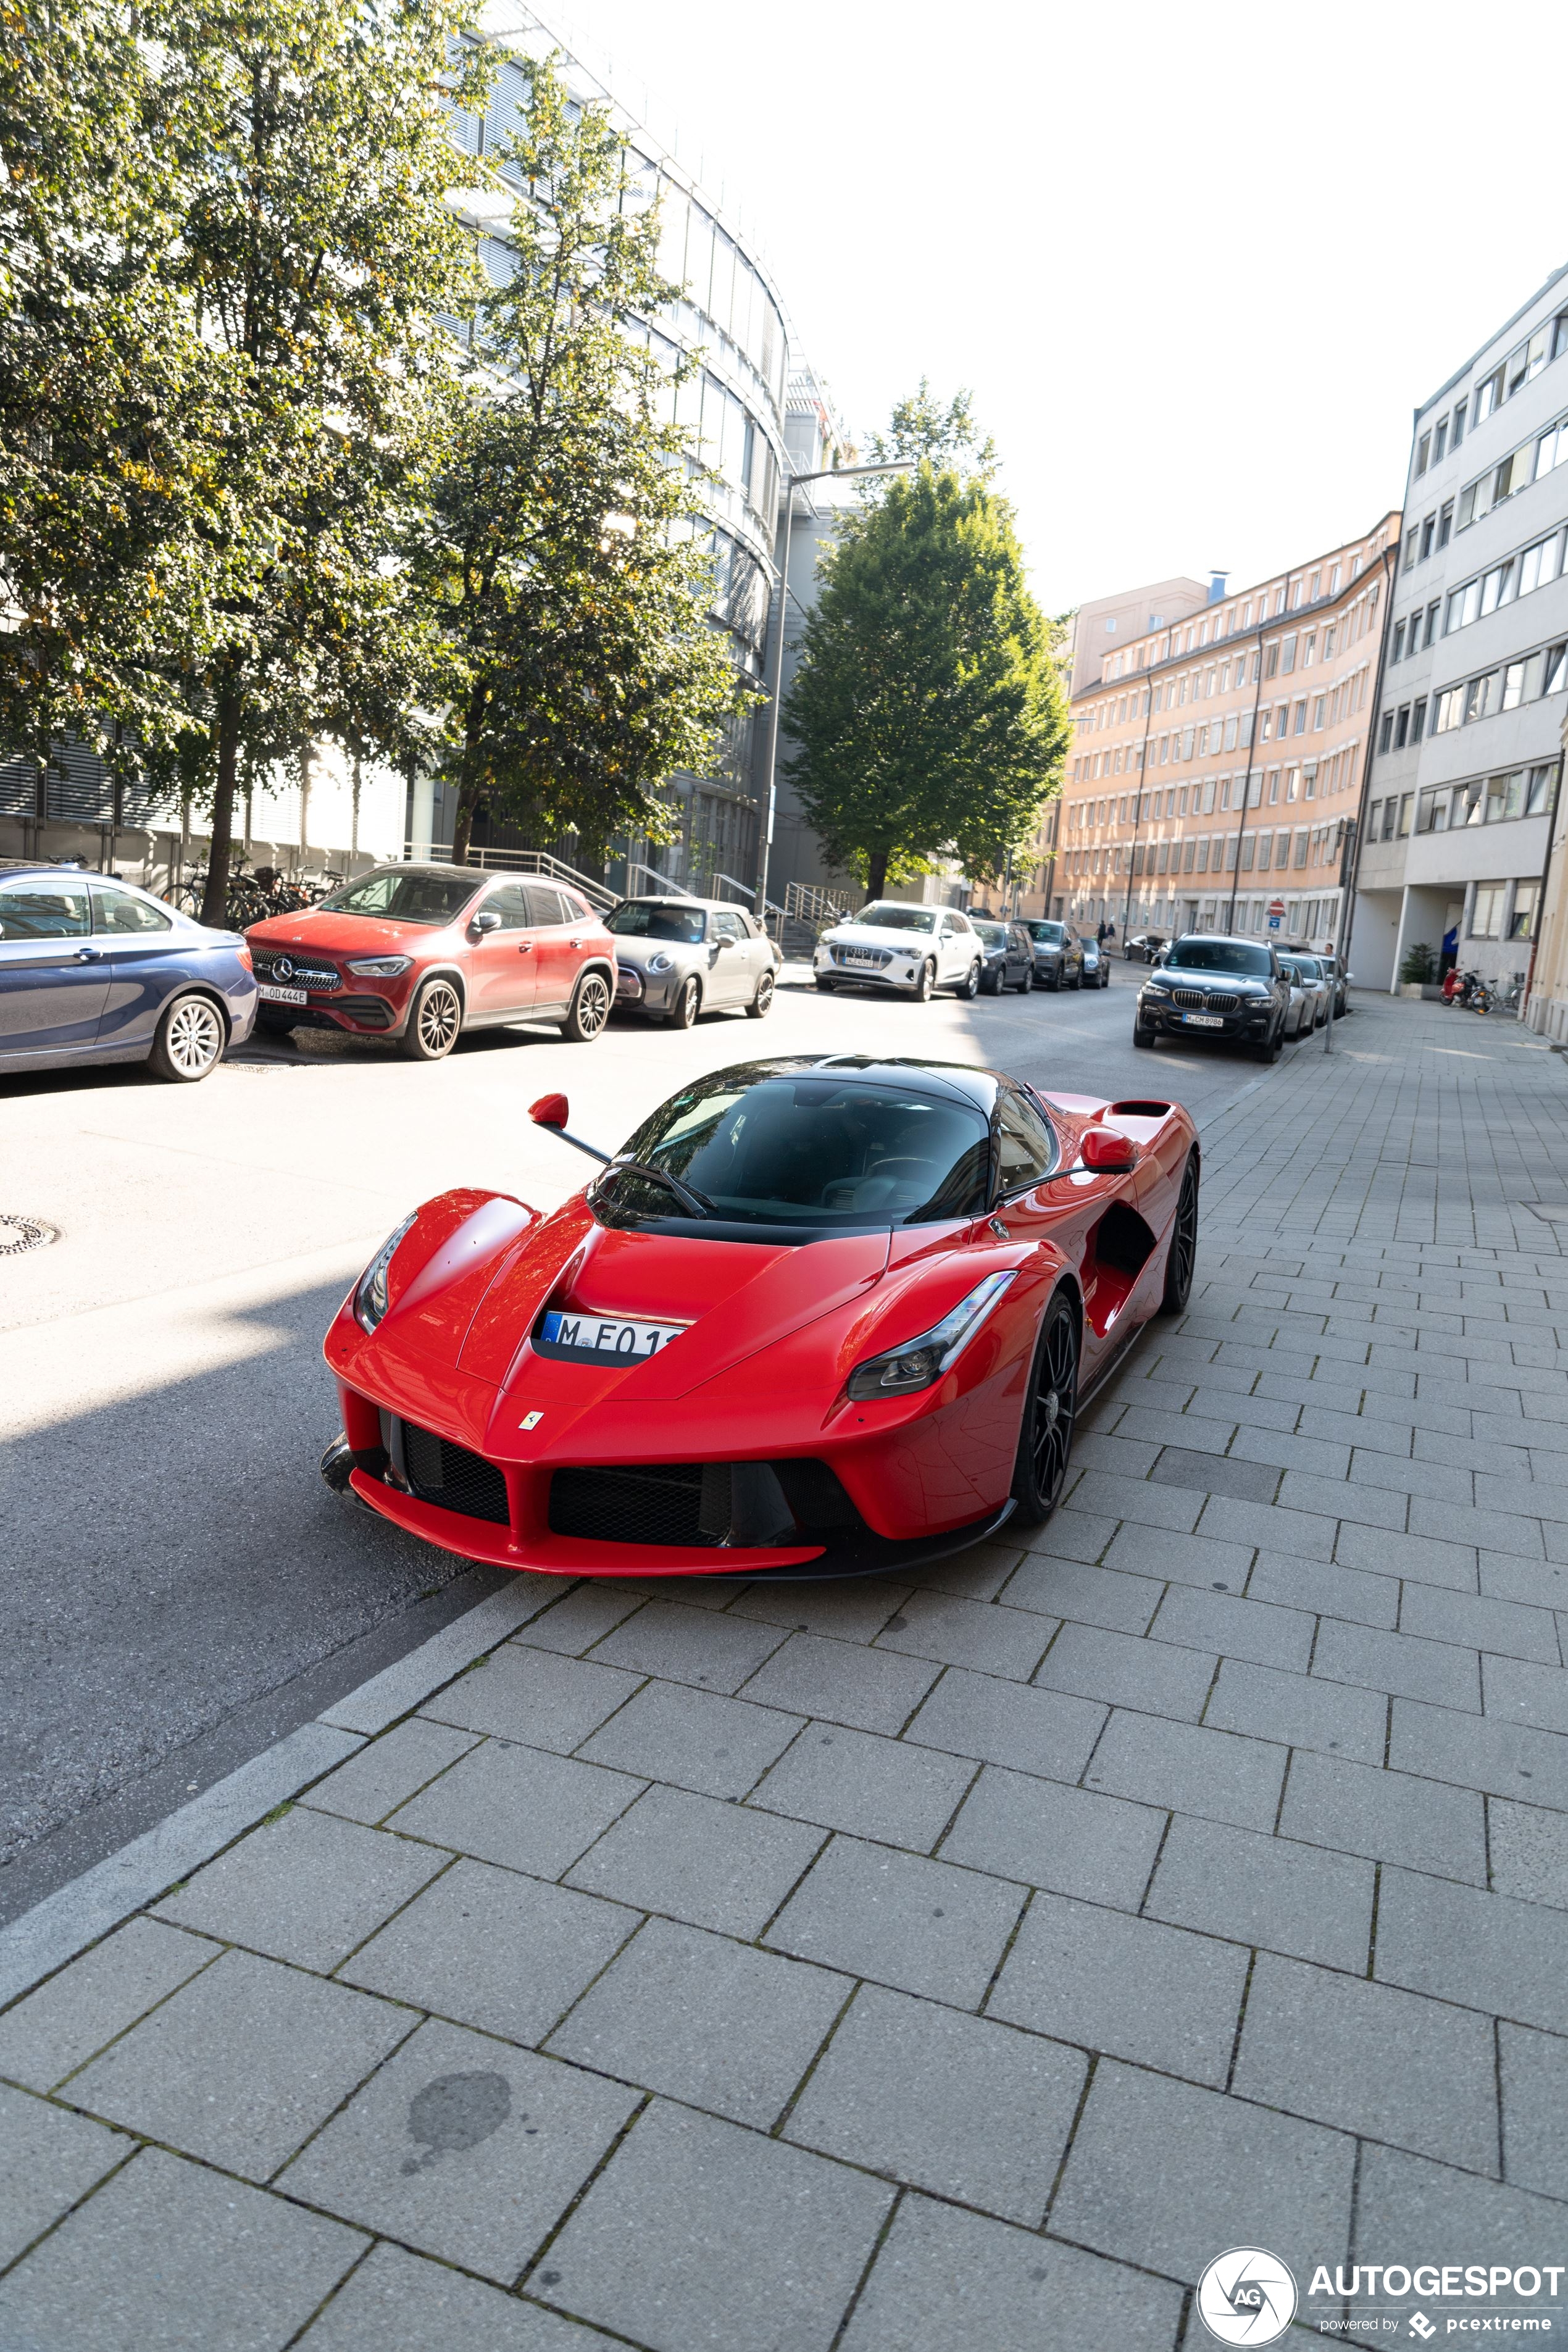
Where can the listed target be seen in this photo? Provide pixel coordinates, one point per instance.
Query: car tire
(434, 1019)
(1055, 983)
(687, 1005)
(1141, 1036)
(824, 982)
(1270, 1048)
(189, 1046)
(590, 1009)
(1050, 1405)
(968, 988)
(1182, 1255)
(991, 983)
(1078, 978)
(1025, 984)
(925, 982)
(275, 1024)
(761, 1004)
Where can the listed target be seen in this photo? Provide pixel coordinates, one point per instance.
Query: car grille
(702, 1506)
(370, 1011)
(301, 972)
(1192, 1000)
(441, 1472)
(862, 959)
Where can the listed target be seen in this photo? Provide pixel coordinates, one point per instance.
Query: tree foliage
(928, 708)
(559, 558)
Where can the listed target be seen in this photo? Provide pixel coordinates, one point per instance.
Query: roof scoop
(554, 1112)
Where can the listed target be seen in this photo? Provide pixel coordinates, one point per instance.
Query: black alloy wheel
(684, 1010)
(761, 1004)
(1183, 1253)
(1044, 1439)
(434, 1022)
(590, 1009)
(991, 983)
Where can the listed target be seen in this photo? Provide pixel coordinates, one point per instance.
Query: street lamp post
(827, 474)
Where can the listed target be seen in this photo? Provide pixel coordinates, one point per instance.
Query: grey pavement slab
(978, 1574)
(1300, 1710)
(1071, 1841)
(399, 2302)
(1461, 1944)
(921, 1927)
(842, 1683)
(1221, 1623)
(533, 1695)
(1173, 1509)
(57, 2028)
(1479, 1622)
(961, 1632)
(958, 2104)
(701, 2237)
(1428, 2210)
(1371, 2060)
(242, 2063)
(1524, 1693)
(1399, 1665)
(1528, 1852)
(1085, 1594)
(716, 1651)
(307, 1888)
(1216, 1473)
(1388, 1816)
(518, 1807)
(877, 1787)
(1539, 1583)
(169, 2257)
(713, 2022)
(1004, 1723)
(1216, 1774)
(1532, 2074)
(1211, 1561)
(1271, 1892)
(945, 2279)
(693, 1739)
(693, 1858)
(1506, 1759)
(583, 1616)
(465, 2147)
(49, 2158)
(1327, 1588)
(1069, 1535)
(852, 1610)
(1165, 2175)
(493, 1950)
(396, 1692)
(1095, 1977)
(387, 1771)
(1129, 1671)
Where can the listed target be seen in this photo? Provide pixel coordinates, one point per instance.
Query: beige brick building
(1214, 760)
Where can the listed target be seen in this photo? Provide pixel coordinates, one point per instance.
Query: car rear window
(887, 915)
(651, 918)
(1221, 955)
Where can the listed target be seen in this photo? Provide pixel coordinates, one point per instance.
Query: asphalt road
(180, 1589)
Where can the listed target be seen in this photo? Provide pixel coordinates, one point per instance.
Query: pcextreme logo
(1246, 2296)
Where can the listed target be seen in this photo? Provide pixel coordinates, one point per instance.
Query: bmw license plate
(606, 1338)
(281, 996)
(1204, 1020)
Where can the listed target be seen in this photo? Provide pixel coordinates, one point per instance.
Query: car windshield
(650, 918)
(1220, 955)
(1050, 935)
(1309, 967)
(887, 915)
(994, 934)
(808, 1148)
(406, 894)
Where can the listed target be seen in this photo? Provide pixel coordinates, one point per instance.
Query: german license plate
(607, 1339)
(281, 996)
(1204, 1020)
(862, 955)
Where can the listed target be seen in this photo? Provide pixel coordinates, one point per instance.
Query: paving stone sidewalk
(954, 1966)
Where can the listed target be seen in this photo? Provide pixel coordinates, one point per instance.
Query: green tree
(221, 361)
(928, 707)
(560, 561)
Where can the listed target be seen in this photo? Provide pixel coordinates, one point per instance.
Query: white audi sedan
(910, 950)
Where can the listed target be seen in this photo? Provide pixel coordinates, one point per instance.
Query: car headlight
(661, 963)
(380, 967)
(919, 1362)
(370, 1293)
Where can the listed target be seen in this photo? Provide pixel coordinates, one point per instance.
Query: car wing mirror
(550, 1111)
(1107, 1152)
(487, 921)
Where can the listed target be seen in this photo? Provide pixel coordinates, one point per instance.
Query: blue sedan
(94, 970)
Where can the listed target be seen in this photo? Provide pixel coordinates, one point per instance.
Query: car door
(52, 981)
(499, 964)
(559, 946)
(142, 955)
(1020, 956)
(729, 979)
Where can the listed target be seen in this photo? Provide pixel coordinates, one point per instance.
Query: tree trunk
(875, 873)
(214, 903)
(463, 824)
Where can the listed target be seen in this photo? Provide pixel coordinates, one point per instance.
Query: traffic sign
(1274, 923)
(1275, 909)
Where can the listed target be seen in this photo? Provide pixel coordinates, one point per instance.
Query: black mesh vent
(702, 1505)
(441, 1472)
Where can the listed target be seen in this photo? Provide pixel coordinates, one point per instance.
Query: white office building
(1468, 753)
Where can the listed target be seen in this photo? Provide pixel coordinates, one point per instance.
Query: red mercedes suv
(423, 952)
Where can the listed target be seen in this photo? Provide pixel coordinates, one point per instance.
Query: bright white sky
(1198, 260)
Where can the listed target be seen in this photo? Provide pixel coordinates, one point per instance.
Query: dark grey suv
(1221, 987)
(1059, 954)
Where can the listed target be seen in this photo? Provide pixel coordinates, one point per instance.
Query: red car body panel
(759, 1376)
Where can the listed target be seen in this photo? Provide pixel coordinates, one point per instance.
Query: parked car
(1144, 946)
(1306, 973)
(907, 949)
(1223, 988)
(1009, 955)
(680, 957)
(95, 970)
(420, 953)
(1059, 954)
(1096, 970)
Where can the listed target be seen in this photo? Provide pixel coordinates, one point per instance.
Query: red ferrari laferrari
(821, 1316)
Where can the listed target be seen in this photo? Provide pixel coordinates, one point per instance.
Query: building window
(1522, 923)
(1418, 719)
(1439, 440)
(1402, 731)
(1398, 653)
(1423, 453)
(1385, 732)
(1429, 534)
(1485, 915)
(1460, 414)
(1446, 522)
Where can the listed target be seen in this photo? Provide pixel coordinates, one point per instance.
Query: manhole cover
(19, 1234)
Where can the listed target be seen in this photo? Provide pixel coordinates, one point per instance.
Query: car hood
(872, 935)
(345, 935)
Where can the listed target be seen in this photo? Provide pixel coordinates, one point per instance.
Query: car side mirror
(550, 1111)
(1107, 1152)
(487, 920)
(724, 941)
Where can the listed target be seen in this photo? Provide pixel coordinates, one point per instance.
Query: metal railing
(539, 863)
(746, 892)
(667, 889)
(808, 903)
